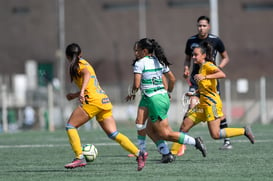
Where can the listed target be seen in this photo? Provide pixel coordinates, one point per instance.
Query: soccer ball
(90, 152)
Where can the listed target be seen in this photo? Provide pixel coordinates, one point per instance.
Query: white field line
(110, 144)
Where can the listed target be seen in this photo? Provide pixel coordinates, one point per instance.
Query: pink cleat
(76, 163)
(141, 160)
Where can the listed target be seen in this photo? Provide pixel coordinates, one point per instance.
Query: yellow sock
(231, 132)
(126, 144)
(175, 148)
(75, 141)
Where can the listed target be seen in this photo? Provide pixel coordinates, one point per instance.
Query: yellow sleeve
(211, 68)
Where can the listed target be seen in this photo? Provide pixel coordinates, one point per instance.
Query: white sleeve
(138, 67)
(165, 69)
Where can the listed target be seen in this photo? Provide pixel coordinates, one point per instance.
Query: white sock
(188, 140)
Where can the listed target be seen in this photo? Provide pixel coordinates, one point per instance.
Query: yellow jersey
(208, 87)
(93, 93)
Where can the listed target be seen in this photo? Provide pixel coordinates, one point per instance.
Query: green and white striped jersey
(151, 80)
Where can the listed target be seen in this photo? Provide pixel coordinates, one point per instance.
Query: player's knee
(69, 126)
(215, 136)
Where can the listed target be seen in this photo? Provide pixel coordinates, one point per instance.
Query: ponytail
(73, 68)
(207, 48)
(73, 51)
(153, 47)
(159, 53)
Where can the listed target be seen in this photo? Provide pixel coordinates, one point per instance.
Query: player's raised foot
(141, 160)
(76, 163)
(168, 158)
(181, 150)
(249, 134)
(200, 146)
(226, 146)
(131, 155)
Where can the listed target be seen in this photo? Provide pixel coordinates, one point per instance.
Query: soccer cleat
(76, 163)
(168, 158)
(200, 146)
(181, 150)
(131, 155)
(141, 160)
(226, 146)
(249, 134)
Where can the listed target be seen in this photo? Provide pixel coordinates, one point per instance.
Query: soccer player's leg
(77, 118)
(227, 143)
(162, 146)
(167, 156)
(185, 139)
(162, 127)
(126, 143)
(75, 143)
(217, 133)
(108, 124)
(177, 148)
(141, 136)
(141, 139)
(232, 132)
(193, 99)
(223, 124)
(141, 142)
(74, 140)
(141, 122)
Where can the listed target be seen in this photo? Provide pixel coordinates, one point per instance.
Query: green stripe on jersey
(151, 81)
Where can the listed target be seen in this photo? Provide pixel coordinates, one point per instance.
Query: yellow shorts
(100, 113)
(205, 113)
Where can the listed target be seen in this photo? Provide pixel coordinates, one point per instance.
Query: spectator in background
(29, 114)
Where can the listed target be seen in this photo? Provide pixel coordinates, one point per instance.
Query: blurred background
(34, 33)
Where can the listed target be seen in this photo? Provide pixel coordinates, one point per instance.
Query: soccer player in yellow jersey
(209, 109)
(94, 102)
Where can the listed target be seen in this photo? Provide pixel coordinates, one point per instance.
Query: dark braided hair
(73, 51)
(153, 47)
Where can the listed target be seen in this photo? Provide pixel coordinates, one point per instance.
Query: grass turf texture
(41, 155)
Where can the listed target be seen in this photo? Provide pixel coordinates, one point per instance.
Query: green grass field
(41, 155)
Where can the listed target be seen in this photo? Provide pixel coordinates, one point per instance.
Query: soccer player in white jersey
(149, 67)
